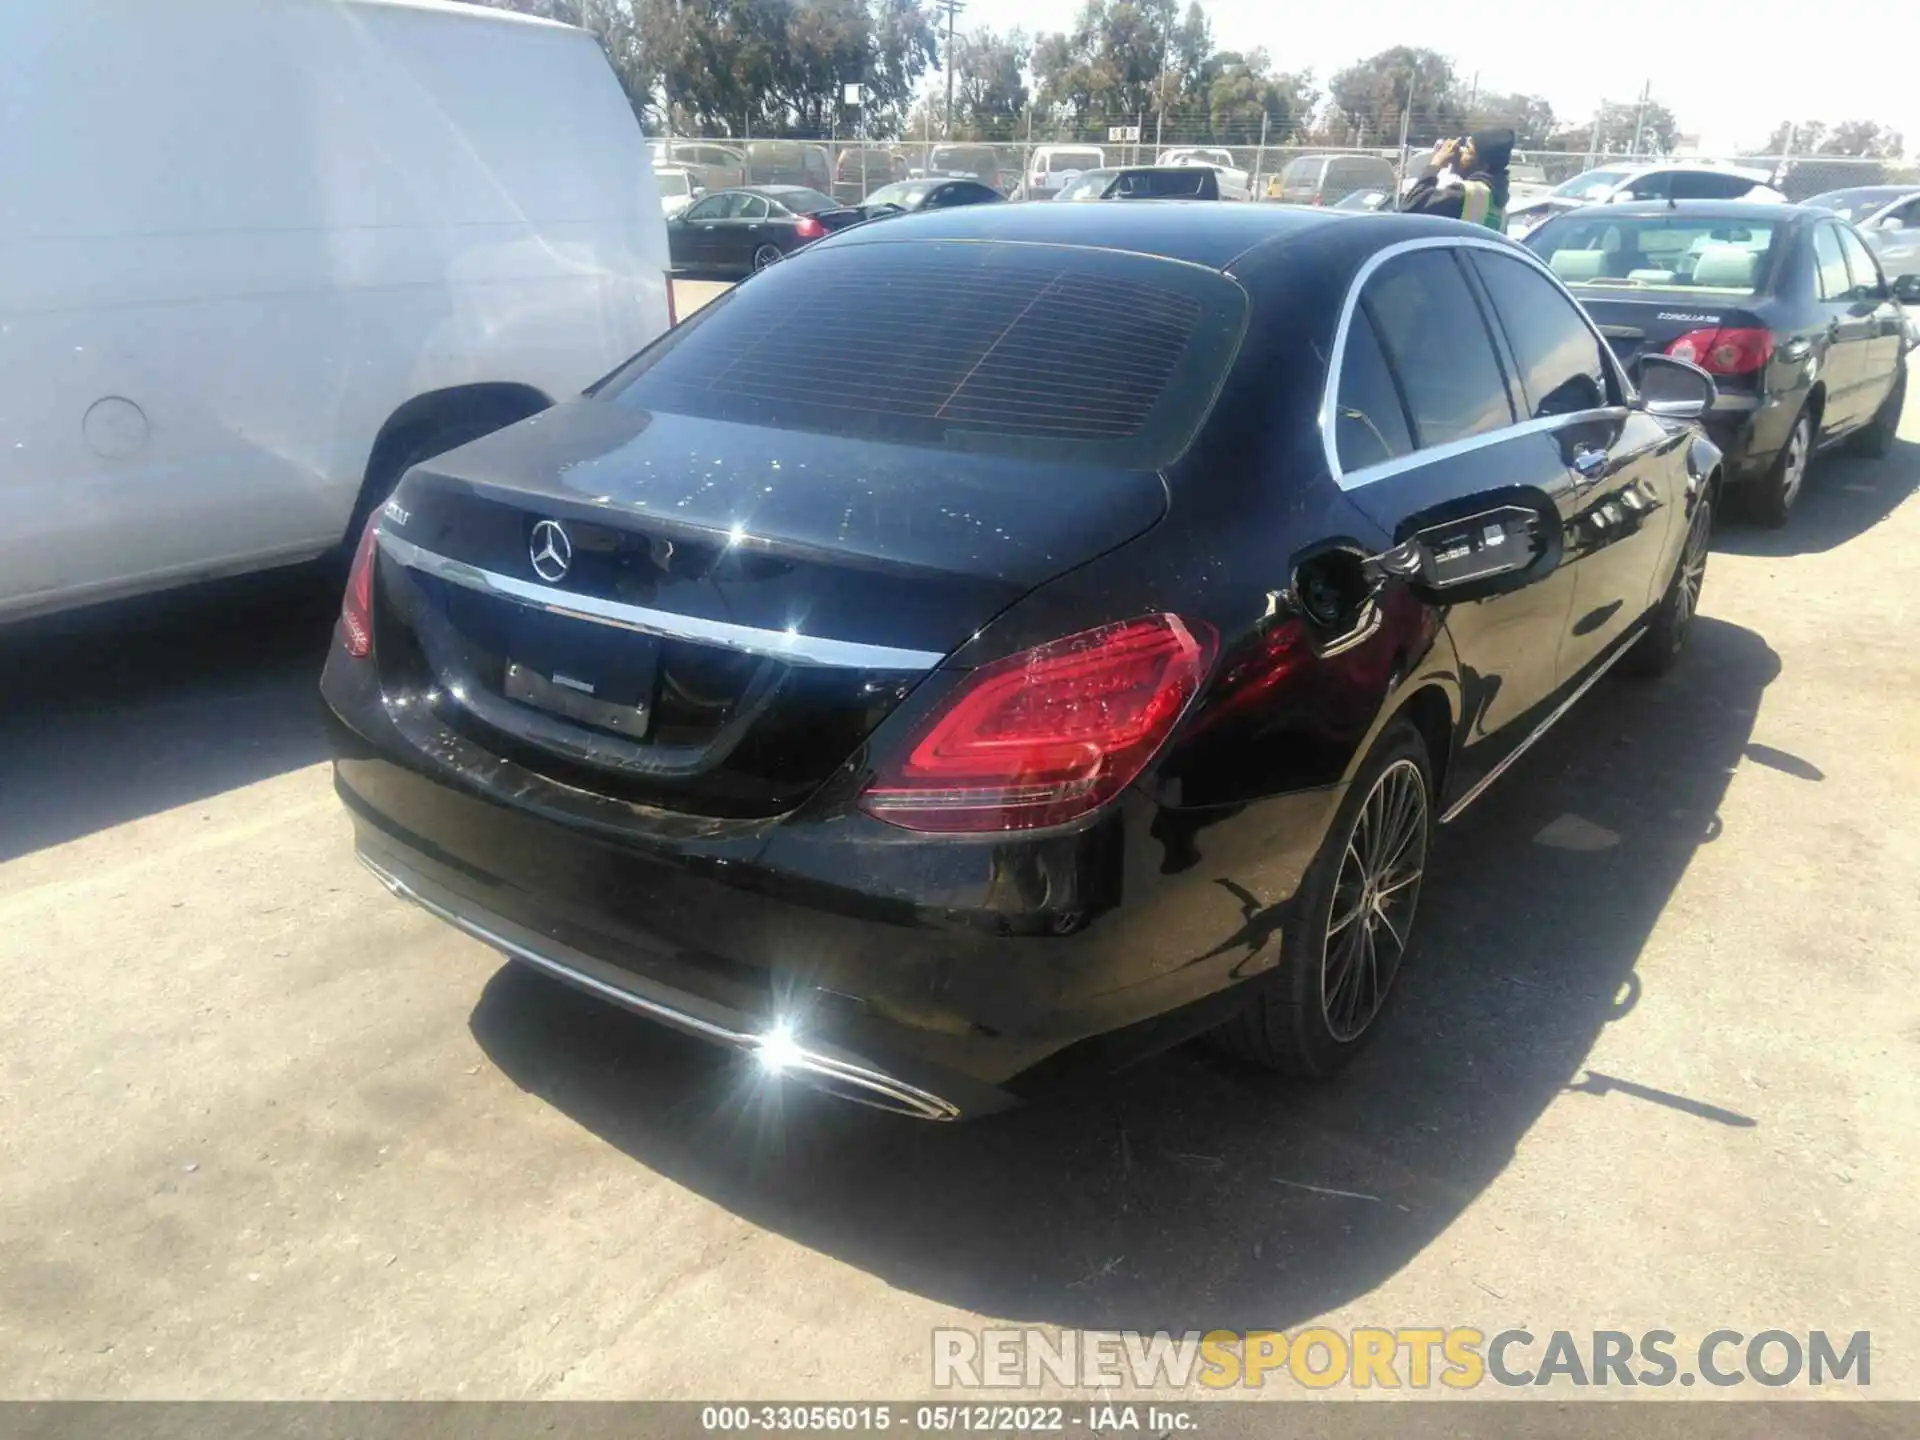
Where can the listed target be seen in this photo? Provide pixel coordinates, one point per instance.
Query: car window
(1908, 214)
(1868, 283)
(1830, 263)
(1437, 343)
(1074, 354)
(1591, 185)
(1561, 369)
(714, 207)
(749, 207)
(1704, 185)
(1370, 423)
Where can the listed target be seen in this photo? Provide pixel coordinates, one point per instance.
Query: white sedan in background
(679, 187)
(1672, 180)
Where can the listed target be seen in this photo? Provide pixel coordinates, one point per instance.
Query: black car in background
(932, 732)
(907, 196)
(1145, 182)
(752, 227)
(1784, 305)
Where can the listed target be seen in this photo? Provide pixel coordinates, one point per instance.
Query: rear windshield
(907, 193)
(1304, 171)
(803, 201)
(1656, 252)
(1091, 356)
(963, 159)
(1089, 185)
(1072, 160)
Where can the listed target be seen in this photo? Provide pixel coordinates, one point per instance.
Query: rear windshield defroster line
(1047, 351)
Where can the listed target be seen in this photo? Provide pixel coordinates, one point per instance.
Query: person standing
(1466, 179)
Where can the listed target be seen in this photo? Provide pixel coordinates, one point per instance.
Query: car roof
(1703, 209)
(1200, 232)
(1868, 192)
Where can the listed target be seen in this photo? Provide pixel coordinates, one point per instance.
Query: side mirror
(1891, 223)
(1674, 388)
(1906, 288)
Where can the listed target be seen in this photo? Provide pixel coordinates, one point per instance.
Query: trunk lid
(708, 617)
(1637, 322)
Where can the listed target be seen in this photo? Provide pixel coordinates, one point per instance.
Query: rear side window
(1096, 356)
(1830, 263)
(1437, 344)
(1561, 370)
(1370, 423)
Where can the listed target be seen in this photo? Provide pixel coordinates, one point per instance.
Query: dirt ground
(267, 1132)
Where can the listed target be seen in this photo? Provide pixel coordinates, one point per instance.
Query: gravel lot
(267, 1132)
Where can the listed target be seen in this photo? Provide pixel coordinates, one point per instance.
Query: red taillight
(1048, 735)
(809, 228)
(673, 306)
(1725, 352)
(356, 608)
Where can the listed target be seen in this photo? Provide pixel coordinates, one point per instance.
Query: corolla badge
(551, 551)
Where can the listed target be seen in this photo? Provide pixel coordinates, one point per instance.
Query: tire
(1773, 499)
(1325, 1003)
(767, 255)
(1876, 439)
(1658, 650)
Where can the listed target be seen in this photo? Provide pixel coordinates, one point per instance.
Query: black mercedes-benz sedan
(1086, 662)
(1785, 306)
(747, 229)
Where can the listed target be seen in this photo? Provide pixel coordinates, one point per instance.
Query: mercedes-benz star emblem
(550, 550)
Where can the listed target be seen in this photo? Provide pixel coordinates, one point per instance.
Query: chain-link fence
(851, 169)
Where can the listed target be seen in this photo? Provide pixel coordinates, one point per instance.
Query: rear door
(1844, 363)
(1620, 463)
(1428, 445)
(1885, 342)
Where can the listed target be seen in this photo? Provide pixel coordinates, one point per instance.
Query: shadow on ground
(1844, 497)
(126, 710)
(1190, 1193)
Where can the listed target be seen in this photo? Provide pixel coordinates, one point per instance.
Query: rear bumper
(778, 1051)
(935, 979)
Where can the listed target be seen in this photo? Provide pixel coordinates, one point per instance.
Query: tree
(1867, 138)
(989, 86)
(1109, 67)
(767, 67)
(1245, 95)
(1530, 118)
(1612, 133)
(1370, 96)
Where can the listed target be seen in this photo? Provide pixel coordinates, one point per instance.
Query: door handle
(1589, 464)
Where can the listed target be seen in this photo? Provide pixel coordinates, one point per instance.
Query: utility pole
(1473, 96)
(1406, 121)
(1259, 159)
(952, 7)
(1640, 116)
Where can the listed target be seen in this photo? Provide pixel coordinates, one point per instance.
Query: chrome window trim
(1330, 395)
(787, 645)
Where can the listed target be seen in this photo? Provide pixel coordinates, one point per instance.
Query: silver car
(1888, 216)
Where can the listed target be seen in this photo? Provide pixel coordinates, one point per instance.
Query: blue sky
(1730, 73)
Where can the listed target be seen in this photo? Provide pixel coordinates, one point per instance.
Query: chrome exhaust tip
(776, 1052)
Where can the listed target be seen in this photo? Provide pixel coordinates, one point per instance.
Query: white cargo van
(258, 256)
